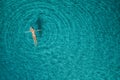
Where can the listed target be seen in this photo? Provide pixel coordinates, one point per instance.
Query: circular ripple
(57, 28)
(67, 29)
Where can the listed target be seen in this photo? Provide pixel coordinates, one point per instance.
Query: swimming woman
(33, 35)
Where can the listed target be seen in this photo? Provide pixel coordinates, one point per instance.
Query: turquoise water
(79, 40)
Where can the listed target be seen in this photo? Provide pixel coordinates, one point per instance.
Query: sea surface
(79, 40)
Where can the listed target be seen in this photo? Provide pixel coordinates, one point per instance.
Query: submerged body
(33, 35)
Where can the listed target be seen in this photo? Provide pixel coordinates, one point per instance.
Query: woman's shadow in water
(39, 23)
